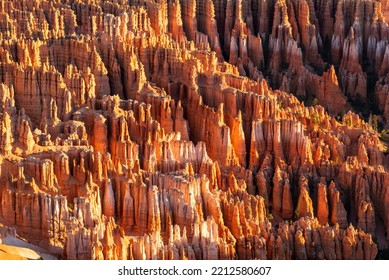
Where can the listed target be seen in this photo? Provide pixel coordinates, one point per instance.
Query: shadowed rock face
(171, 129)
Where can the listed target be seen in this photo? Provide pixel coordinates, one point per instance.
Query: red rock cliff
(180, 129)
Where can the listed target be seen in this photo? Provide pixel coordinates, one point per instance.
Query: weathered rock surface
(176, 129)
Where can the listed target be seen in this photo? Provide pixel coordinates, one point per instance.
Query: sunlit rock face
(194, 129)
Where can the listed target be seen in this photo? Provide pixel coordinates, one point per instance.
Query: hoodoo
(193, 129)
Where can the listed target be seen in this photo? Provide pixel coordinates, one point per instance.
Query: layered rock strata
(171, 129)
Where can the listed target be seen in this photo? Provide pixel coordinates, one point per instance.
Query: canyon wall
(184, 129)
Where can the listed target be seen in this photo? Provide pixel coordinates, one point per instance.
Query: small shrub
(347, 121)
(296, 215)
(373, 122)
(315, 118)
(384, 135)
